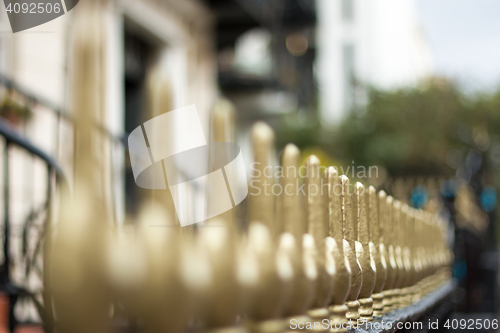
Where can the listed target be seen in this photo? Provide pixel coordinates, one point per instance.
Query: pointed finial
(382, 214)
(262, 200)
(222, 130)
(335, 205)
(290, 212)
(223, 127)
(347, 218)
(360, 213)
(373, 220)
(317, 221)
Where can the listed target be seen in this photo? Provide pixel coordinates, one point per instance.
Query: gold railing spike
(363, 253)
(406, 217)
(290, 214)
(333, 253)
(377, 248)
(336, 226)
(417, 255)
(223, 121)
(80, 295)
(291, 227)
(342, 277)
(389, 236)
(168, 257)
(317, 217)
(400, 270)
(425, 253)
(409, 255)
(350, 253)
(275, 271)
(159, 101)
(261, 199)
(222, 130)
(88, 96)
(305, 273)
(222, 302)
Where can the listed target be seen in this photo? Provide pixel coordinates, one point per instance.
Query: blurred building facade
(360, 43)
(174, 38)
(266, 52)
(258, 54)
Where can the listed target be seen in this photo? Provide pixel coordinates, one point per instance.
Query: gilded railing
(313, 251)
(322, 251)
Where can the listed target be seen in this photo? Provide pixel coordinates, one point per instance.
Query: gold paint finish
(165, 252)
(275, 272)
(290, 213)
(222, 130)
(363, 253)
(342, 277)
(330, 254)
(397, 242)
(377, 247)
(291, 220)
(317, 216)
(81, 297)
(223, 121)
(159, 100)
(391, 257)
(262, 201)
(349, 252)
(223, 298)
(276, 252)
(417, 256)
(409, 234)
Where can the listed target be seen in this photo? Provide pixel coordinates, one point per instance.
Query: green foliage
(14, 111)
(409, 131)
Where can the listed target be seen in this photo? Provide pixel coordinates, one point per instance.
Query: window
(348, 10)
(137, 57)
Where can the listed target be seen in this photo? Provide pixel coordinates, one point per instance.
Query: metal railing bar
(9, 83)
(12, 137)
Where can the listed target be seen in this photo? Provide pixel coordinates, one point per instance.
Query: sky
(464, 37)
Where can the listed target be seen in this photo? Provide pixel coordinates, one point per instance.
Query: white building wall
(385, 40)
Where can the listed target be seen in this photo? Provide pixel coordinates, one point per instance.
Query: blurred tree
(424, 130)
(409, 131)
